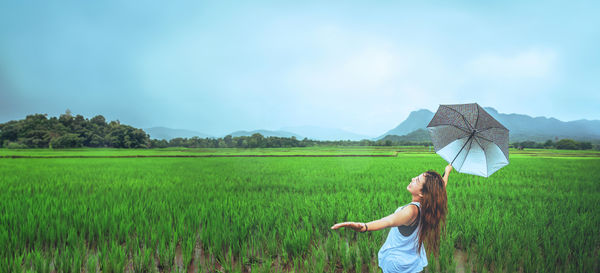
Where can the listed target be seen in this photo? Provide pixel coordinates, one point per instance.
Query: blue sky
(218, 67)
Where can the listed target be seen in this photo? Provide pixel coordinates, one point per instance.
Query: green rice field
(111, 210)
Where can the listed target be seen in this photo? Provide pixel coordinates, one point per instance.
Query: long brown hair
(434, 206)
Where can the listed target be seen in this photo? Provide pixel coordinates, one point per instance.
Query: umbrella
(469, 138)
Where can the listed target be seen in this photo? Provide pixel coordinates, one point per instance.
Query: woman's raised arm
(447, 174)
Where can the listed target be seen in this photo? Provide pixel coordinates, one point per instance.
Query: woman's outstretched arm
(447, 174)
(403, 217)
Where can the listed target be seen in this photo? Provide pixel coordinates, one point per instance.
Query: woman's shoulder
(412, 208)
(411, 204)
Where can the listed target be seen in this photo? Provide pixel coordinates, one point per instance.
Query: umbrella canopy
(469, 138)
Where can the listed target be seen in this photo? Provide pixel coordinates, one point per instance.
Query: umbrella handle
(466, 142)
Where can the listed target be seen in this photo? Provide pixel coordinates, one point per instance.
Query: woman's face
(416, 184)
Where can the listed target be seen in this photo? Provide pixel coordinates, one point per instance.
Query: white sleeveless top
(399, 252)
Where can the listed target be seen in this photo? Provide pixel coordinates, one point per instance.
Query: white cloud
(532, 63)
(360, 71)
(366, 83)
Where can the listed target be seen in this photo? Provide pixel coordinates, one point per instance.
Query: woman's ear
(420, 195)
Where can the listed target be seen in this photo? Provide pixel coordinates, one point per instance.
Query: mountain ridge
(522, 127)
(160, 132)
(322, 133)
(265, 133)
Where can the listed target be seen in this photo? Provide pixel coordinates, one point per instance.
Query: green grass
(350, 150)
(555, 153)
(538, 214)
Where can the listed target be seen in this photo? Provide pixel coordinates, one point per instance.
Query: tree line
(563, 144)
(68, 131)
(259, 141)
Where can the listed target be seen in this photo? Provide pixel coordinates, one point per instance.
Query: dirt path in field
(191, 156)
(460, 257)
(200, 260)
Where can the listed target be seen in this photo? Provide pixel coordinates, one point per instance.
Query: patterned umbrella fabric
(469, 138)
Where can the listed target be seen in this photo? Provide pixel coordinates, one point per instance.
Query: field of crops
(540, 213)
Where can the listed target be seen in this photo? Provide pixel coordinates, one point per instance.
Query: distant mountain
(419, 135)
(522, 127)
(416, 120)
(266, 133)
(320, 133)
(168, 133)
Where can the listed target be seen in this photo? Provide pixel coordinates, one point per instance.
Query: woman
(418, 222)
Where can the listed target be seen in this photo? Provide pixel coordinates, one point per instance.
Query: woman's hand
(448, 169)
(353, 225)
